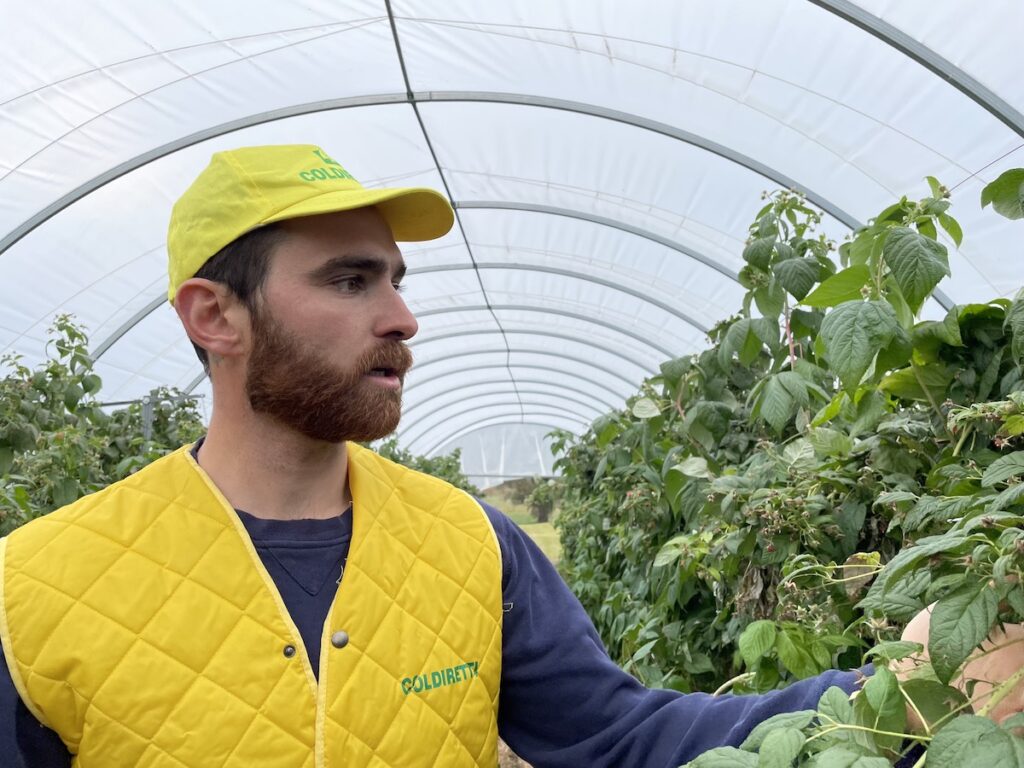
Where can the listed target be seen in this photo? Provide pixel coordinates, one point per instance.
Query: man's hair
(242, 266)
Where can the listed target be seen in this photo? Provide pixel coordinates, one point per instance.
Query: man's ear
(213, 317)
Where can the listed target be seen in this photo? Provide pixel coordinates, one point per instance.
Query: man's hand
(997, 667)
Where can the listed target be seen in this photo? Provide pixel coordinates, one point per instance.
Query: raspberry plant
(785, 501)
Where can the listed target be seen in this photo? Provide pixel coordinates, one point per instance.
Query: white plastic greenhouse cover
(604, 159)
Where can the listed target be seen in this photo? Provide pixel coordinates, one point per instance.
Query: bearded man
(276, 595)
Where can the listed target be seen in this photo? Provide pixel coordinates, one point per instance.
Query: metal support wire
(440, 172)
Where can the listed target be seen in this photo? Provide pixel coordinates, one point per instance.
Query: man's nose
(397, 320)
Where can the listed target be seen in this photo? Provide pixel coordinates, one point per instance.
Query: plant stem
(850, 727)
(913, 706)
(789, 337)
(928, 393)
(730, 683)
(1001, 691)
(963, 438)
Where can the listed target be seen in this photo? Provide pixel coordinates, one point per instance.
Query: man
(277, 595)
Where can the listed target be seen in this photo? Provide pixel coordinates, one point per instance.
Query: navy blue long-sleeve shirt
(563, 702)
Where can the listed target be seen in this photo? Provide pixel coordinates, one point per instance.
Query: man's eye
(348, 284)
(399, 287)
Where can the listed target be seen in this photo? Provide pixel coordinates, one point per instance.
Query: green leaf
(794, 656)
(72, 395)
(830, 411)
(1013, 426)
(844, 757)
(675, 482)
(906, 384)
(834, 705)
(674, 370)
(799, 719)
(766, 330)
(671, 550)
(694, 466)
(894, 650)
(767, 225)
(934, 186)
(882, 692)
(733, 340)
(949, 328)
(759, 252)
(6, 459)
(971, 741)
(805, 323)
(853, 334)
(1014, 323)
(926, 226)
(894, 497)
(1006, 194)
(780, 748)
(23, 437)
(757, 639)
(644, 650)
(952, 227)
(784, 251)
(917, 263)
(895, 297)
(830, 442)
(933, 699)
(959, 623)
(770, 299)
(91, 383)
(724, 757)
(870, 410)
(65, 490)
(841, 287)
(1003, 468)
(606, 429)
(896, 353)
(776, 404)
(798, 276)
(645, 408)
(907, 559)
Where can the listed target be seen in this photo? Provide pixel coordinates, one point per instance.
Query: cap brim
(413, 213)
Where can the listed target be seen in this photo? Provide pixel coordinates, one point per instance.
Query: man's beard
(293, 384)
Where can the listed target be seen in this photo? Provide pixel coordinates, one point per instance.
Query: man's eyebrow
(373, 265)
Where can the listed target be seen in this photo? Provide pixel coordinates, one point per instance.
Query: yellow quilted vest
(141, 626)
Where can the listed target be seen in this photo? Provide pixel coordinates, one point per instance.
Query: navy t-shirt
(563, 703)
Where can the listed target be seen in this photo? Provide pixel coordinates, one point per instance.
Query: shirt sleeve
(564, 702)
(24, 741)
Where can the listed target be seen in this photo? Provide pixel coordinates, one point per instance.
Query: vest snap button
(289, 651)
(339, 639)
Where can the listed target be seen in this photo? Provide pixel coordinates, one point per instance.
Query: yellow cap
(246, 188)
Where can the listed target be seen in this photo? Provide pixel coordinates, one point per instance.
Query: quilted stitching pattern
(398, 519)
(168, 628)
(183, 663)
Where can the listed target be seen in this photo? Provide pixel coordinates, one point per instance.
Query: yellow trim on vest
(6, 643)
(257, 563)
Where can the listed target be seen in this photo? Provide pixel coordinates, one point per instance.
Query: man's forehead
(363, 232)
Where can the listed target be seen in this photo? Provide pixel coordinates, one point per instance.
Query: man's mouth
(383, 372)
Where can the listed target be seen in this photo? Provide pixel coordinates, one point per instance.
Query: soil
(508, 759)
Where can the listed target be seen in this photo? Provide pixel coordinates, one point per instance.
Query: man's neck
(275, 473)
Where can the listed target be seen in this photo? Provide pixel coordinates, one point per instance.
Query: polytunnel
(603, 159)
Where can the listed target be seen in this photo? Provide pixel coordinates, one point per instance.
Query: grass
(544, 535)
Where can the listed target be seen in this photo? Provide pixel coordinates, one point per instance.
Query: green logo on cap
(331, 170)
(326, 158)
